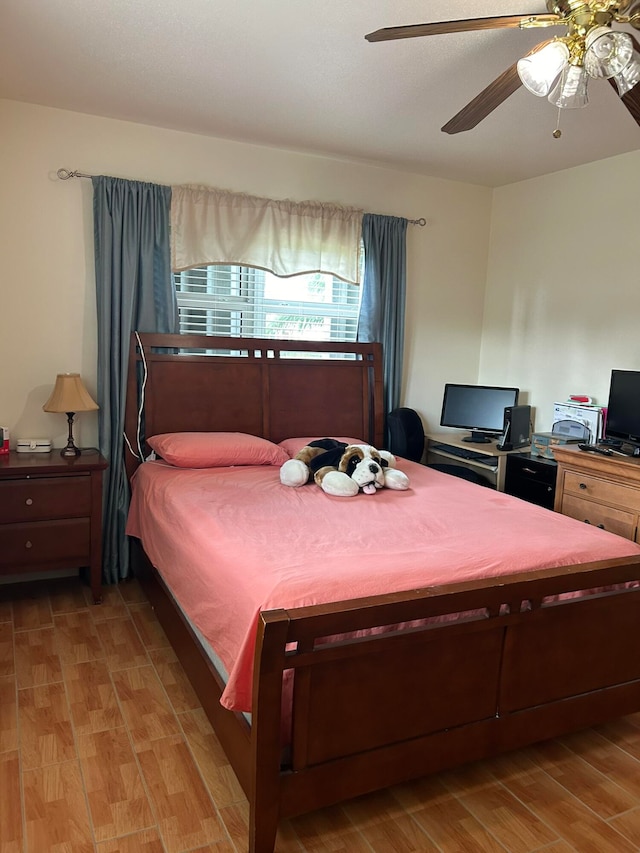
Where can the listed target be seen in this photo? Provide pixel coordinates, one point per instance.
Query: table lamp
(70, 396)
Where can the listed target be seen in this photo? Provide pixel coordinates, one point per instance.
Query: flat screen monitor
(478, 408)
(623, 409)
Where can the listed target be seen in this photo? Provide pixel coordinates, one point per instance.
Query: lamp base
(70, 450)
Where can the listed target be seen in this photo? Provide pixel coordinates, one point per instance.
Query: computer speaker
(516, 430)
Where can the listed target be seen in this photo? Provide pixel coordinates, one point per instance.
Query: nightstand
(51, 514)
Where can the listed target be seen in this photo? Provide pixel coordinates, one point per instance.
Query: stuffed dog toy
(343, 469)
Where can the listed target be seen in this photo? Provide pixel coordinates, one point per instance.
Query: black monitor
(623, 410)
(478, 408)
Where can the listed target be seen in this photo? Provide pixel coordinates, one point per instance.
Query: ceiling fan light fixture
(607, 53)
(539, 71)
(570, 92)
(629, 76)
(557, 68)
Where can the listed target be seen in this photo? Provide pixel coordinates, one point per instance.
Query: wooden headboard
(274, 389)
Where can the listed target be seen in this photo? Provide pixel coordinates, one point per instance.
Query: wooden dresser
(51, 514)
(599, 490)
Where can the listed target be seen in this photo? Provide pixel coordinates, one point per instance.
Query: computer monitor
(478, 408)
(623, 410)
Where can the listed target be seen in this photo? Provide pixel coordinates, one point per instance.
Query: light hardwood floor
(104, 747)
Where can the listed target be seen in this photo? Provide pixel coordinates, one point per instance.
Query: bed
(340, 694)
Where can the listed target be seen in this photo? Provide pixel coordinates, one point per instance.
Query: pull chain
(557, 133)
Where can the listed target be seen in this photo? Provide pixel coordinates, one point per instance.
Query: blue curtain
(134, 292)
(384, 296)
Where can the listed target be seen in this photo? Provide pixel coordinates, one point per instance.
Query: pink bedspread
(230, 542)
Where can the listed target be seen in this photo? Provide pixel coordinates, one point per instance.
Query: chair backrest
(406, 434)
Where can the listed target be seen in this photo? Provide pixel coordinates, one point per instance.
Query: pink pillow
(293, 445)
(216, 449)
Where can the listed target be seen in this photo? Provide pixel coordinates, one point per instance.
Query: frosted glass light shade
(629, 76)
(607, 53)
(570, 92)
(539, 71)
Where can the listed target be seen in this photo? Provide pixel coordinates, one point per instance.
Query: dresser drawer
(41, 498)
(66, 541)
(605, 491)
(614, 520)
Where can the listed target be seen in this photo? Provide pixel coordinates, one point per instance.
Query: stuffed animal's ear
(388, 459)
(329, 459)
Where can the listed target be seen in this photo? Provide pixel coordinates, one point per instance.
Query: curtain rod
(65, 174)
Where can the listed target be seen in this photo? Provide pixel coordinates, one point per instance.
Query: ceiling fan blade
(444, 27)
(633, 10)
(486, 102)
(631, 100)
(490, 98)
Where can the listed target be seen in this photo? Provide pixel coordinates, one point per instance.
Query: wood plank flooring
(104, 748)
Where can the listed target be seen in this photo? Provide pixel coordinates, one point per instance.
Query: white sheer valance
(211, 226)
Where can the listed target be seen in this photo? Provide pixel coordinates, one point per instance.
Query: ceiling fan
(558, 68)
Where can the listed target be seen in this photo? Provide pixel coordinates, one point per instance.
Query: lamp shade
(539, 71)
(70, 395)
(629, 76)
(607, 53)
(570, 91)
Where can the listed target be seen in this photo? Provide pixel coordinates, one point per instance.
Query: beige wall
(47, 307)
(563, 297)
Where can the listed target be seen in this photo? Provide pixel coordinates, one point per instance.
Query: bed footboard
(372, 711)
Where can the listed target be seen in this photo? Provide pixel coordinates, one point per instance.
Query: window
(243, 302)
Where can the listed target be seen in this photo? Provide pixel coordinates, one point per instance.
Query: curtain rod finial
(65, 174)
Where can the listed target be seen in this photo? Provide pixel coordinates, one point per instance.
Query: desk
(492, 466)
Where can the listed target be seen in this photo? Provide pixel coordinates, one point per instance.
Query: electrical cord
(139, 455)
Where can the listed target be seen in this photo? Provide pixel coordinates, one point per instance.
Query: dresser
(51, 514)
(599, 490)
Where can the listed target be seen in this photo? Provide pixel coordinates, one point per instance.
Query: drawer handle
(601, 526)
(29, 501)
(583, 485)
(528, 471)
(28, 544)
(586, 521)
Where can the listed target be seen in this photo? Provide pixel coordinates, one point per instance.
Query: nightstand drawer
(44, 498)
(614, 520)
(66, 541)
(601, 490)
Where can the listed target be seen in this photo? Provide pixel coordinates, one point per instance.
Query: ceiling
(298, 74)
